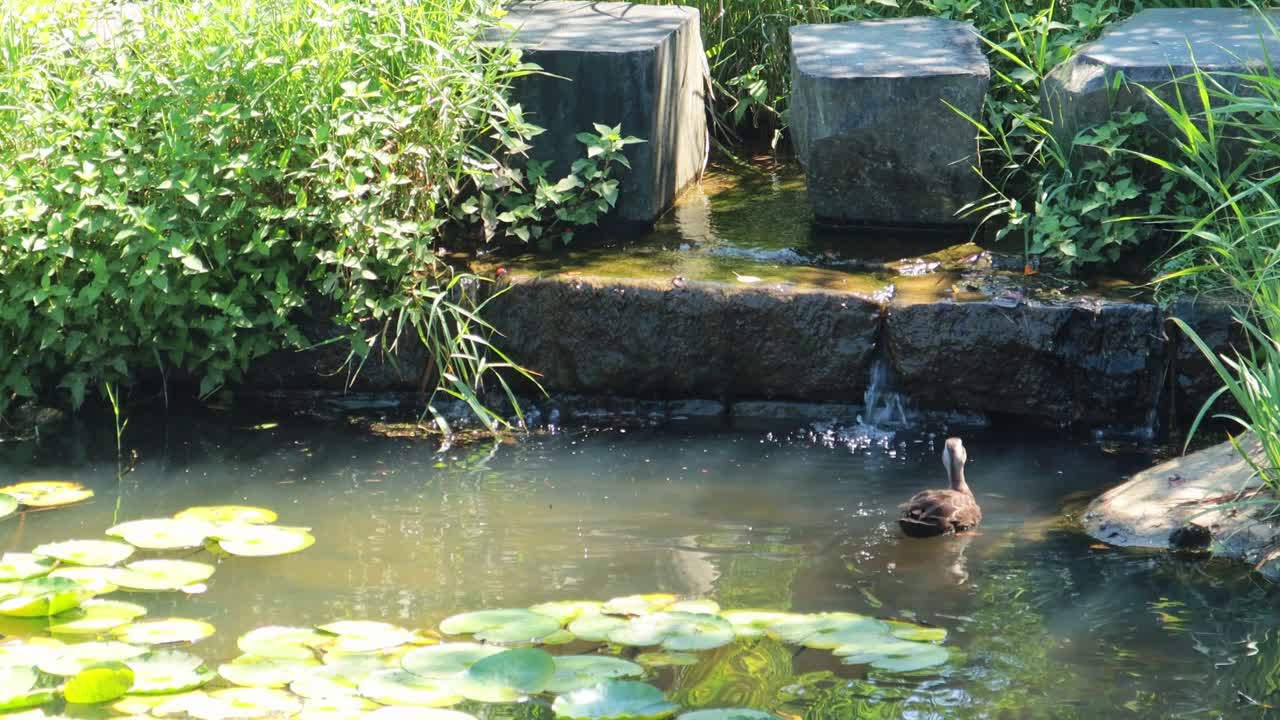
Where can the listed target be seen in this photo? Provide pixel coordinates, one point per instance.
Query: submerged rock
(1195, 502)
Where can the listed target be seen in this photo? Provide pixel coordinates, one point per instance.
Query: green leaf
(614, 699)
(99, 683)
(507, 676)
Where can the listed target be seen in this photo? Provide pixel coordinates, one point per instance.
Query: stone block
(871, 122)
(1156, 49)
(638, 66)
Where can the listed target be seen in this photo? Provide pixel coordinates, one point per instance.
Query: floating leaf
(417, 713)
(159, 575)
(45, 596)
(507, 676)
(638, 604)
(706, 607)
(728, 714)
(95, 617)
(99, 683)
(501, 626)
(675, 631)
(446, 659)
(329, 681)
(567, 611)
(574, 672)
(661, 659)
(248, 540)
(918, 633)
(851, 631)
(797, 629)
(228, 514)
(282, 642)
(164, 631)
(75, 658)
(754, 623)
(596, 628)
(30, 653)
(364, 636)
(614, 699)
(47, 494)
(162, 672)
(401, 687)
(259, 700)
(18, 688)
(96, 580)
(23, 566)
(254, 671)
(892, 654)
(163, 533)
(86, 552)
(8, 505)
(336, 708)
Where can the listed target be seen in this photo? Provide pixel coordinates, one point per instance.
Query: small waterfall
(883, 408)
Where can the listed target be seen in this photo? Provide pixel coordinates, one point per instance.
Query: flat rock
(1192, 496)
(638, 66)
(871, 122)
(1151, 50)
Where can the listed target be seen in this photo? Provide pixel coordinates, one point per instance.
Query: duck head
(953, 459)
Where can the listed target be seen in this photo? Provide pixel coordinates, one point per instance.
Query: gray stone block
(1156, 49)
(869, 121)
(638, 66)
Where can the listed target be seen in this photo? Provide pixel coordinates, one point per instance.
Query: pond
(1040, 621)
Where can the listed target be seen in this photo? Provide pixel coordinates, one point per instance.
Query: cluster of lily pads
(86, 649)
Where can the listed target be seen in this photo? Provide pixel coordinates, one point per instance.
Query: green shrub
(181, 181)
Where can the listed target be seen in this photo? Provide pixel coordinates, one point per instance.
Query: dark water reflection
(1047, 624)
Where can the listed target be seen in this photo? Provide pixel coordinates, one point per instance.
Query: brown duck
(941, 512)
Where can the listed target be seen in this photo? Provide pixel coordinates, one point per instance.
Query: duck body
(942, 512)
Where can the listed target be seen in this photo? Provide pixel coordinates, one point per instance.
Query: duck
(943, 512)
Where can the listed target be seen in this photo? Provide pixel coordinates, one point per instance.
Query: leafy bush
(180, 181)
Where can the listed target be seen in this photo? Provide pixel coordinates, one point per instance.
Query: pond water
(1042, 622)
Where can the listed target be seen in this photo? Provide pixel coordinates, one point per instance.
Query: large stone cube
(638, 66)
(1155, 50)
(871, 121)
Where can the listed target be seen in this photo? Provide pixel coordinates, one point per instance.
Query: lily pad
(8, 505)
(446, 659)
(254, 671)
(567, 611)
(708, 607)
(754, 623)
(31, 652)
(248, 540)
(401, 687)
(94, 579)
(44, 596)
(329, 681)
(75, 658)
(161, 575)
(799, 628)
(894, 655)
(163, 533)
(18, 688)
(675, 631)
(667, 659)
(596, 628)
(417, 713)
(851, 632)
(228, 514)
(23, 566)
(364, 636)
(282, 642)
(336, 708)
(728, 714)
(95, 617)
(614, 699)
(47, 494)
(99, 683)
(501, 626)
(638, 604)
(917, 633)
(163, 672)
(86, 552)
(164, 631)
(575, 672)
(265, 700)
(508, 676)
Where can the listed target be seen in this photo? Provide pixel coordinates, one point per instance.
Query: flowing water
(1042, 622)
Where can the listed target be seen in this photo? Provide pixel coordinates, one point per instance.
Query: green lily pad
(75, 658)
(95, 617)
(43, 597)
(267, 701)
(728, 714)
(96, 580)
(667, 659)
(231, 703)
(248, 540)
(703, 607)
(99, 683)
(329, 681)
(675, 631)
(575, 672)
(417, 713)
(336, 708)
(8, 505)
(446, 659)
(47, 494)
(254, 671)
(559, 637)
(851, 632)
(567, 611)
(501, 626)
(596, 628)
(23, 566)
(508, 676)
(401, 687)
(161, 575)
(282, 642)
(638, 604)
(197, 704)
(614, 699)
(917, 633)
(361, 662)
(799, 628)
(163, 533)
(754, 623)
(86, 552)
(164, 672)
(365, 636)
(30, 652)
(18, 688)
(892, 654)
(164, 631)
(228, 514)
